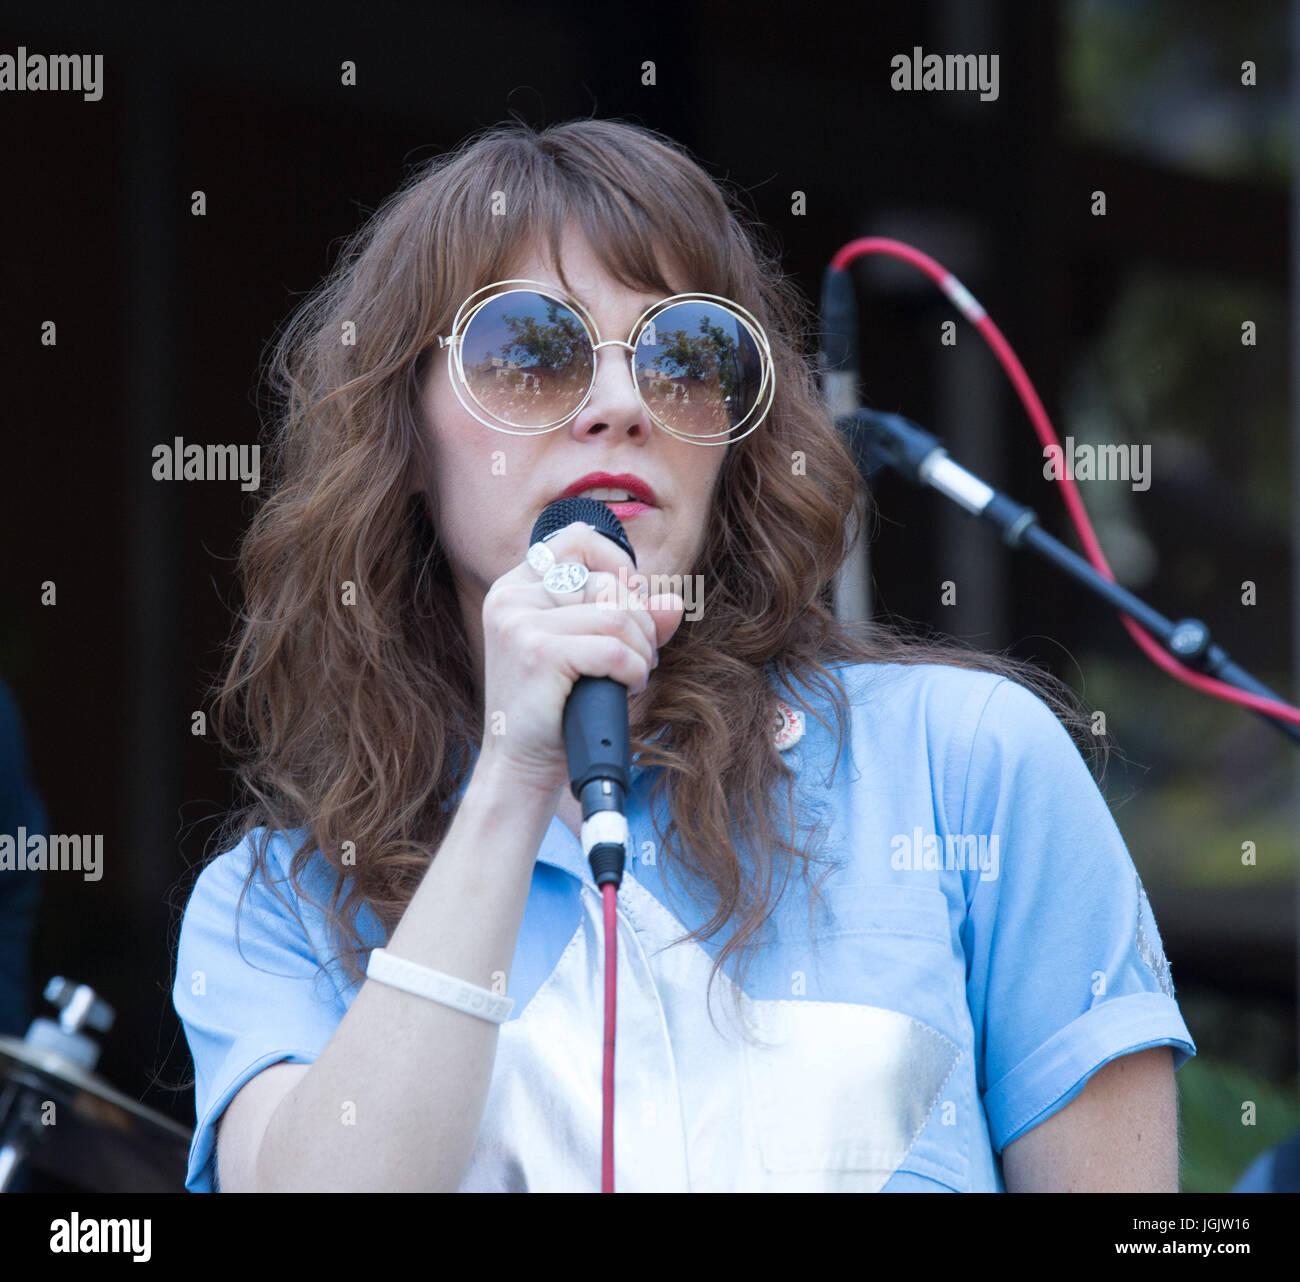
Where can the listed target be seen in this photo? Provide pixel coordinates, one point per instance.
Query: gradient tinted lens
(527, 359)
(699, 368)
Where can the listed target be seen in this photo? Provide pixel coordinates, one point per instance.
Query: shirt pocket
(848, 1086)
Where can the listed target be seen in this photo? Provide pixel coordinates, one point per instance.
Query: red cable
(966, 304)
(610, 892)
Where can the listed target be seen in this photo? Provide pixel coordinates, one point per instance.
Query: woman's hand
(536, 646)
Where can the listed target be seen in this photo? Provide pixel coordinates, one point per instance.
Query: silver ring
(541, 558)
(565, 578)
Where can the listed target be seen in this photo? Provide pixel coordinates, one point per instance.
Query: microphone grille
(555, 516)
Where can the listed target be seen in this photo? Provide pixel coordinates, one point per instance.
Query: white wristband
(411, 977)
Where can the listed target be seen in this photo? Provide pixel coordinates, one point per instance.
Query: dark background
(1129, 325)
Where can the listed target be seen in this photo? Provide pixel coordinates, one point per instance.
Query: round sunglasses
(524, 356)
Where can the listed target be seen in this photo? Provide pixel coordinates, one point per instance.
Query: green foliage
(1216, 1146)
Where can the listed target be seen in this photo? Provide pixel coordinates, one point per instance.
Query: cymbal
(99, 1137)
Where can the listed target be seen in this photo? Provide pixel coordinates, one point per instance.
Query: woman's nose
(614, 398)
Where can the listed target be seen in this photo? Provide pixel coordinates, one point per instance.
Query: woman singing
(878, 930)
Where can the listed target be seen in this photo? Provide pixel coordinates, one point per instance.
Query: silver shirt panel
(833, 1100)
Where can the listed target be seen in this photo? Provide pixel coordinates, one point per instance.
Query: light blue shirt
(988, 946)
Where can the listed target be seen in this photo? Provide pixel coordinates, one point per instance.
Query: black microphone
(596, 733)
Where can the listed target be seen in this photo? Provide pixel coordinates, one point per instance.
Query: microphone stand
(890, 440)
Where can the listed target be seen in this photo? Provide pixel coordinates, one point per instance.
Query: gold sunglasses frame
(469, 309)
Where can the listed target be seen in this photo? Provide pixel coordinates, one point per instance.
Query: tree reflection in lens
(535, 370)
(700, 384)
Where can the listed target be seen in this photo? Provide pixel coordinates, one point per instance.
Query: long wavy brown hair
(357, 722)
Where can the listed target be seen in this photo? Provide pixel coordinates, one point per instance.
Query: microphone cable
(597, 744)
(966, 303)
(609, 895)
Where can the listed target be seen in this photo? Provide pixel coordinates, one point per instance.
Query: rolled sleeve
(247, 998)
(1066, 970)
